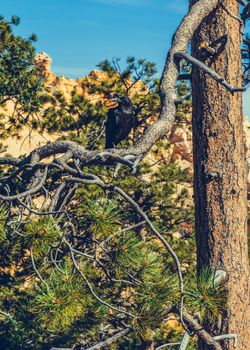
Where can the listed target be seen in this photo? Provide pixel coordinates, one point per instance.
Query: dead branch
(110, 340)
(209, 71)
(201, 332)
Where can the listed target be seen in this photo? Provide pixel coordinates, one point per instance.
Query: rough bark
(220, 168)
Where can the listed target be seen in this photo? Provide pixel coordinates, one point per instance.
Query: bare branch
(183, 344)
(227, 336)
(169, 345)
(33, 190)
(201, 332)
(184, 341)
(110, 340)
(5, 314)
(35, 269)
(209, 71)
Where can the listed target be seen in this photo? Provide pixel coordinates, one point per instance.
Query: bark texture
(220, 167)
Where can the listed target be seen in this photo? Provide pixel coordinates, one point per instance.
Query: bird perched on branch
(120, 121)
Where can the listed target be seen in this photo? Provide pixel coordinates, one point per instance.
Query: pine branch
(91, 288)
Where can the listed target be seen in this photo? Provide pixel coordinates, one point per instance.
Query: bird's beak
(112, 103)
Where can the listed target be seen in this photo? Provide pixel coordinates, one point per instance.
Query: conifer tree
(21, 85)
(127, 267)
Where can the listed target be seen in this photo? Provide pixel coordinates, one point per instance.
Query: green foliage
(155, 297)
(12, 335)
(19, 78)
(41, 235)
(102, 217)
(61, 301)
(3, 219)
(208, 295)
(135, 70)
(79, 118)
(128, 253)
(10, 246)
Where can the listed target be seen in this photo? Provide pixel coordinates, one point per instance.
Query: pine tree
(129, 269)
(20, 84)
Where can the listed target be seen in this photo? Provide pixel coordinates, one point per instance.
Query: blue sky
(78, 34)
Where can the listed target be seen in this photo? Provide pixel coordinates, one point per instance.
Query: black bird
(120, 121)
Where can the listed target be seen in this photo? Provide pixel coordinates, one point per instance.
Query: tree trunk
(220, 169)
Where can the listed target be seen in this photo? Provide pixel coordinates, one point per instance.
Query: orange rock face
(43, 61)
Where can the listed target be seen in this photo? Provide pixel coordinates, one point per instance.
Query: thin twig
(227, 336)
(91, 288)
(169, 345)
(110, 340)
(209, 71)
(129, 228)
(36, 270)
